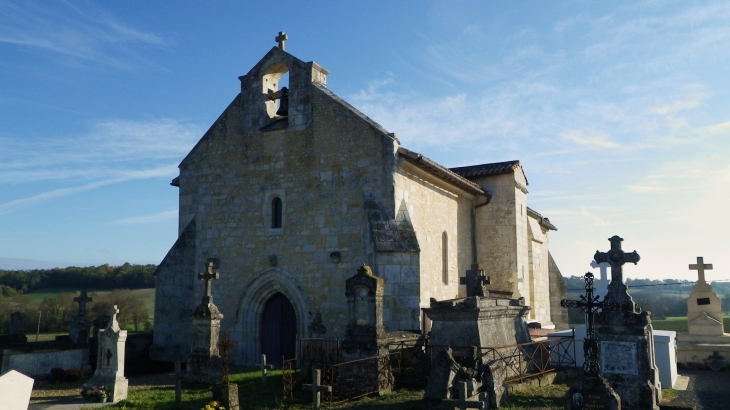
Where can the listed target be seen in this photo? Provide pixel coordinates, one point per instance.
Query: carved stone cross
(225, 345)
(475, 281)
(616, 257)
(700, 267)
(264, 367)
(281, 38)
(208, 278)
(316, 387)
(463, 403)
(82, 300)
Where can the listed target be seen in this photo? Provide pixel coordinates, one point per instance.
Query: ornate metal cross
(616, 257)
(281, 38)
(475, 281)
(590, 306)
(700, 267)
(208, 278)
(225, 345)
(82, 300)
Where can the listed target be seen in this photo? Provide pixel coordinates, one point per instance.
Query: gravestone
(316, 387)
(226, 393)
(79, 327)
(625, 338)
(706, 343)
(110, 359)
(473, 323)
(15, 391)
(264, 367)
(591, 390)
(204, 362)
(99, 324)
(16, 329)
(464, 402)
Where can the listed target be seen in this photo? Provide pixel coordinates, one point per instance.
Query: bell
(283, 103)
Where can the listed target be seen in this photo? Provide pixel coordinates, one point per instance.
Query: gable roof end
(440, 171)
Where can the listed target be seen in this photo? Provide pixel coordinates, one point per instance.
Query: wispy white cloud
(63, 29)
(596, 140)
(147, 219)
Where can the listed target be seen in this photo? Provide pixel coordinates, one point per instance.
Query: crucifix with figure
(700, 267)
(616, 257)
(475, 280)
(208, 278)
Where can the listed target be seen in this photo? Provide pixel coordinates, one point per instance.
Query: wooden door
(278, 329)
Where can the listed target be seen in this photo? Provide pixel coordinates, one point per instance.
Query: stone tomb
(15, 390)
(592, 393)
(110, 359)
(472, 323)
(204, 363)
(16, 329)
(625, 338)
(79, 327)
(706, 343)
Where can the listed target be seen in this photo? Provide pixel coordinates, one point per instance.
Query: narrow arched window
(445, 257)
(276, 213)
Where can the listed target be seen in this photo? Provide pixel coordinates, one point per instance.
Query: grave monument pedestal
(79, 327)
(205, 364)
(625, 338)
(474, 322)
(110, 360)
(706, 343)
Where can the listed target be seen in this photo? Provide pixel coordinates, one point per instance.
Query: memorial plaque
(618, 358)
(703, 301)
(592, 393)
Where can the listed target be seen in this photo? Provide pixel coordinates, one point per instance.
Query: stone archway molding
(251, 306)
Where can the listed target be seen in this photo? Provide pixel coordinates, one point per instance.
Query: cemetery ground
(707, 391)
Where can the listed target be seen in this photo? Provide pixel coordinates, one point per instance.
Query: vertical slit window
(276, 213)
(445, 258)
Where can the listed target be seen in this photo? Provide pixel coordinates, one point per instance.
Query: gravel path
(707, 390)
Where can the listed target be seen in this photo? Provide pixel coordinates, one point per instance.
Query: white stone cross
(281, 38)
(463, 402)
(602, 287)
(700, 267)
(264, 367)
(315, 387)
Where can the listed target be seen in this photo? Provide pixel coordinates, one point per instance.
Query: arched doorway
(278, 329)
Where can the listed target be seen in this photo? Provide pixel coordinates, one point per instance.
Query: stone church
(292, 189)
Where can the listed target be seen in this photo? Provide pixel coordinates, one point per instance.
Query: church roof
(495, 168)
(440, 171)
(544, 222)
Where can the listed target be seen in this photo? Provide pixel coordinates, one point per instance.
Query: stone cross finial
(264, 367)
(475, 280)
(616, 257)
(281, 38)
(208, 278)
(700, 267)
(82, 300)
(224, 346)
(463, 402)
(316, 387)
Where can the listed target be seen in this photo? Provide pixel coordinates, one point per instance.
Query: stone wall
(539, 278)
(38, 359)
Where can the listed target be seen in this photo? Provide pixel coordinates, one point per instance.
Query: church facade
(291, 190)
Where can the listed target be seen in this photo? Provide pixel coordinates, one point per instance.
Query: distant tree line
(663, 298)
(127, 276)
(54, 313)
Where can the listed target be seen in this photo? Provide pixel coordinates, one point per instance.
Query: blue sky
(618, 111)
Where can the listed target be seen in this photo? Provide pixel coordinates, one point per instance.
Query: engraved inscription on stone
(618, 357)
(703, 301)
(595, 401)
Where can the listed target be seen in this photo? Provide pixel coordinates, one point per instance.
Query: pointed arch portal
(278, 329)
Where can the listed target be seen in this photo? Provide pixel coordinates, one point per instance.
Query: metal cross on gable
(700, 267)
(590, 306)
(208, 278)
(616, 257)
(281, 39)
(475, 280)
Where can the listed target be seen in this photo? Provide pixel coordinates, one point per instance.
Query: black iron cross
(224, 346)
(82, 300)
(616, 257)
(475, 281)
(208, 278)
(590, 306)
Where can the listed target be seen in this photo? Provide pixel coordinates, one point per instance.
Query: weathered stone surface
(110, 359)
(347, 189)
(592, 393)
(15, 390)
